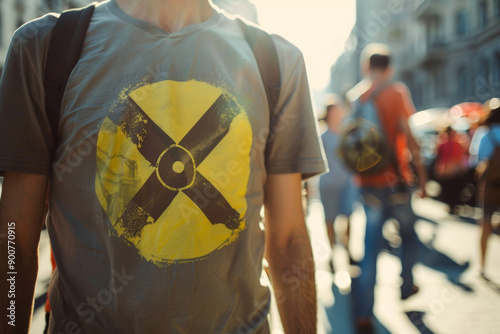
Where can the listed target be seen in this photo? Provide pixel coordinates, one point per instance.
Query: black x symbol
(162, 152)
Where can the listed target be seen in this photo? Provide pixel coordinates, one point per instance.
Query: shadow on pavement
(416, 318)
(434, 259)
(341, 316)
(39, 301)
(438, 261)
(379, 328)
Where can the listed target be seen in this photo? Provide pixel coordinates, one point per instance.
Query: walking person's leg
(402, 211)
(330, 199)
(485, 233)
(351, 197)
(364, 285)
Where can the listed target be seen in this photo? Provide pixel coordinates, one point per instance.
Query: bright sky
(318, 27)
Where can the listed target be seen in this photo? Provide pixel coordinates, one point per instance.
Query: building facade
(446, 51)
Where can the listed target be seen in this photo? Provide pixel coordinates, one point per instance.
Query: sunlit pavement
(452, 297)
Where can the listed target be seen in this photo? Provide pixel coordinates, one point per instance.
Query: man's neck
(169, 15)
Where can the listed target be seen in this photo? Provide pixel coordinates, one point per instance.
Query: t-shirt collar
(157, 31)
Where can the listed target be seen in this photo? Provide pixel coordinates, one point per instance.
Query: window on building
(484, 69)
(462, 23)
(463, 82)
(496, 12)
(435, 32)
(431, 87)
(496, 69)
(439, 85)
(20, 6)
(483, 13)
(51, 5)
(19, 21)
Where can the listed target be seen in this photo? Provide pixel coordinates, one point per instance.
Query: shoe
(414, 290)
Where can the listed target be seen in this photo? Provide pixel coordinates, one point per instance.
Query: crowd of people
(385, 193)
(384, 190)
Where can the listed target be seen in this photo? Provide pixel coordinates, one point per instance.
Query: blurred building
(14, 13)
(383, 21)
(446, 51)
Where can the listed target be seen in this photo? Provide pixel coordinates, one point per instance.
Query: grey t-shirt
(157, 181)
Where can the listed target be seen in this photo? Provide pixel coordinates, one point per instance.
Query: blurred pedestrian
(337, 188)
(386, 194)
(451, 166)
(488, 169)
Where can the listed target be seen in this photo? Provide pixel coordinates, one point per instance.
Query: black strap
(377, 91)
(266, 56)
(64, 51)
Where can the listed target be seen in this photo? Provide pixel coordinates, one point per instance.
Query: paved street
(452, 298)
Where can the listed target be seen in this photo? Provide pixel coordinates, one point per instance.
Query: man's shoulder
(399, 88)
(35, 31)
(365, 87)
(40, 29)
(286, 47)
(391, 92)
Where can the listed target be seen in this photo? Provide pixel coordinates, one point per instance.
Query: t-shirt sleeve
(293, 144)
(406, 101)
(25, 137)
(485, 148)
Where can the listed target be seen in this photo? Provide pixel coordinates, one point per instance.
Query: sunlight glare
(318, 27)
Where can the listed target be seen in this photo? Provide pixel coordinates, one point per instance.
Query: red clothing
(451, 158)
(47, 303)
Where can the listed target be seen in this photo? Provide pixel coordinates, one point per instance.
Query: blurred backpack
(364, 147)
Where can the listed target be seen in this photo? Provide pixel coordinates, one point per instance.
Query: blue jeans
(381, 204)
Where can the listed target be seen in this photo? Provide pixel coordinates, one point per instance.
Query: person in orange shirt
(387, 194)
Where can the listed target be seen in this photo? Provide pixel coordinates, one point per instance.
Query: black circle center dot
(176, 168)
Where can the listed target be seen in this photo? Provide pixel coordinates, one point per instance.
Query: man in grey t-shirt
(163, 163)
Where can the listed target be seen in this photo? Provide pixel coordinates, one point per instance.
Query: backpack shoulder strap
(377, 91)
(65, 48)
(266, 56)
